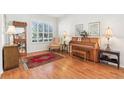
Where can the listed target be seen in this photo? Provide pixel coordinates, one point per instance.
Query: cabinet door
(11, 57)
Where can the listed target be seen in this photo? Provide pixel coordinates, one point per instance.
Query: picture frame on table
(78, 29)
(94, 28)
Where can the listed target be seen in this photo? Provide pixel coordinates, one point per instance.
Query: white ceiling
(56, 15)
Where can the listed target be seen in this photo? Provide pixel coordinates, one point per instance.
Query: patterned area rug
(42, 59)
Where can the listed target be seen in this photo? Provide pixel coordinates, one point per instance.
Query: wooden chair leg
(50, 49)
(85, 57)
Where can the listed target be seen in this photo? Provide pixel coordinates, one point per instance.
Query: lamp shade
(65, 33)
(108, 32)
(11, 30)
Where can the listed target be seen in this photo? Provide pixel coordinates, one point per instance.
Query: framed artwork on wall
(94, 29)
(78, 29)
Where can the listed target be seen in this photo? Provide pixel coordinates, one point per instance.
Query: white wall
(0, 44)
(1, 41)
(33, 47)
(116, 22)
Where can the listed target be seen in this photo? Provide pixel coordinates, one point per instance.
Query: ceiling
(56, 15)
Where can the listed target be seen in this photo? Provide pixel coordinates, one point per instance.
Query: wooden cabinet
(10, 57)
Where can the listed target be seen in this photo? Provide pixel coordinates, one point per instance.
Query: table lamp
(10, 32)
(108, 35)
(65, 34)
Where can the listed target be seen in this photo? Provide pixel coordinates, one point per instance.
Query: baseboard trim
(115, 65)
(38, 51)
(122, 66)
(1, 74)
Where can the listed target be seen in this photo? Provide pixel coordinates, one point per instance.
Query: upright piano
(90, 45)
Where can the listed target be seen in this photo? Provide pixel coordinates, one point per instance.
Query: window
(41, 32)
(34, 32)
(50, 33)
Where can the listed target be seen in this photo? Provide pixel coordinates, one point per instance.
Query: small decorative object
(84, 34)
(108, 35)
(94, 28)
(79, 39)
(16, 36)
(11, 31)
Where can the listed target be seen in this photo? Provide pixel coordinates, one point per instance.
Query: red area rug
(42, 59)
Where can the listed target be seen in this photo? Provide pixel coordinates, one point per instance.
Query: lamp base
(11, 40)
(108, 47)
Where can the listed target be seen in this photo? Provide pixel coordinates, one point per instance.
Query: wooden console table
(10, 57)
(104, 57)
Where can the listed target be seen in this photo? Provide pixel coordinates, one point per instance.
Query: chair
(55, 44)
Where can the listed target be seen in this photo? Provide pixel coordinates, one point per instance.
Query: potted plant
(84, 33)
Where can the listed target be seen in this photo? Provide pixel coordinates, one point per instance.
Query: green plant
(84, 34)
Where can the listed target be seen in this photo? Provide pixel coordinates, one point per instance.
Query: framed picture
(78, 29)
(94, 28)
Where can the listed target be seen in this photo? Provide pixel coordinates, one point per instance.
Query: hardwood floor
(67, 68)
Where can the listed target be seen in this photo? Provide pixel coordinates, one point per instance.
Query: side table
(105, 57)
(65, 47)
